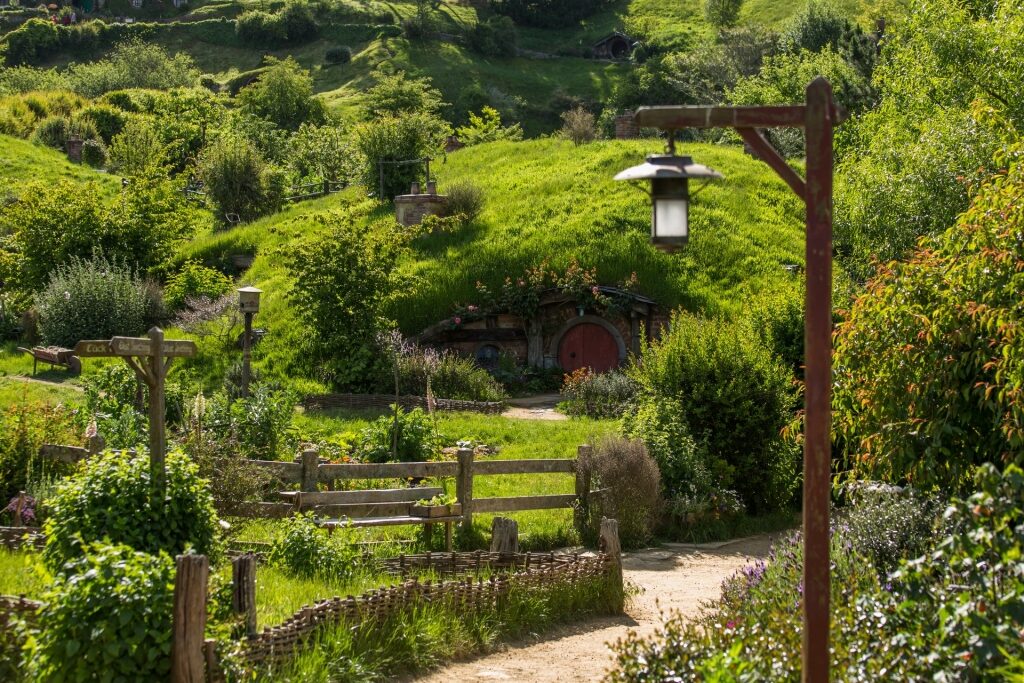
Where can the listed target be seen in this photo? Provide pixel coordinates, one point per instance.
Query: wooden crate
(453, 510)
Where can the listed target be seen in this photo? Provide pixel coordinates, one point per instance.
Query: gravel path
(676, 578)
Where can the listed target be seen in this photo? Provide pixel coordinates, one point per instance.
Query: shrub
(927, 368)
(257, 27)
(487, 128)
(53, 131)
(493, 37)
(138, 149)
(91, 299)
(194, 280)
(578, 126)
(598, 394)
(108, 120)
(451, 376)
(465, 199)
(630, 490)
(110, 499)
(306, 550)
(284, 96)
(730, 395)
(722, 13)
(318, 152)
(888, 524)
(238, 179)
(398, 93)
(548, 13)
(260, 425)
(339, 54)
(418, 439)
(108, 616)
(30, 42)
(94, 153)
(397, 138)
(24, 428)
(134, 64)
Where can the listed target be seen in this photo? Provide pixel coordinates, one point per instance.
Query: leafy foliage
(487, 128)
(417, 441)
(305, 549)
(283, 95)
(24, 428)
(449, 375)
(259, 426)
(465, 199)
(238, 179)
(194, 280)
(111, 500)
(107, 615)
(928, 363)
(319, 152)
(598, 394)
(629, 486)
(548, 13)
(94, 299)
(293, 24)
(137, 149)
(133, 64)
(722, 13)
(731, 396)
(398, 93)
(495, 37)
(339, 54)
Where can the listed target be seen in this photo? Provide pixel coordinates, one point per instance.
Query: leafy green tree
(722, 13)
(284, 96)
(344, 281)
(138, 149)
(238, 179)
(494, 37)
(318, 152)
(398, 93)
(487, 128)
(29, 42)
(134, 64)
(398, 138)
(929, 366)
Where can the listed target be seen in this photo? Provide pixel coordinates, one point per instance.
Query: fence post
(582, 509)
(214, 671)
(243, 590)
(504, 535)
(189, 620)
(608, 543)
(327, 187)
(310, 473)
(464, 487)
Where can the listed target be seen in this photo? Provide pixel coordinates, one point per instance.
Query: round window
(487, 356)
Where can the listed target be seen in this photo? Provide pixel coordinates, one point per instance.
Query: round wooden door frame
(556, 339)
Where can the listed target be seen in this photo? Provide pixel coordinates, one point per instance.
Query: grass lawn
(22, 161)
(21, 573)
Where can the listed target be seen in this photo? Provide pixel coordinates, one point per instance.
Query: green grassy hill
(546, 199)
(21, 161)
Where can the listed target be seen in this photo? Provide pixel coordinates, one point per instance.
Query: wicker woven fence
(14, 537)
(365, 401)
(465, 594)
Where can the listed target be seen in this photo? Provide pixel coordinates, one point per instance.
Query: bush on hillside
(134, 64)
(398, 93)
(465, 199)
(487, 128)
(398, 138)
(138, 149)
(927, 363)
(339, 54)
(494, 37)
(94, 153)
(578, 125)
(194, 280)
(548, 13)
(722, 13)
(732, 396)
(284, 96)
(323, 152)
(417, 441)
(106, 615)
(108, 120)
(260, 426)
(628, 486)
(598, 394)
(110, 500)
(29, 42)
(239, 180)
(92, 299)
(53, 131)
(450, 375)
(292, 25)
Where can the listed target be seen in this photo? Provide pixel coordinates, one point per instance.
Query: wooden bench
(54, 355)
(370, 507)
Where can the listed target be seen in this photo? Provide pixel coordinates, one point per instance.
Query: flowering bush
(597, 394)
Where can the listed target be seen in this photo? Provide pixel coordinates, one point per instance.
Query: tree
(487, 128)
(343, 283)
(398, 138)
(722, 13)
(396, 94)
(138, 149)
(284, 96)
(929, 363)
(319, 152)
(134, 64)
(238, 179)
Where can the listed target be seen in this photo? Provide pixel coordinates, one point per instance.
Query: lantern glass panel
(670, 218)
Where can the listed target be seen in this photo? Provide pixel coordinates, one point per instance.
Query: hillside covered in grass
(21, 161)
(744, 230)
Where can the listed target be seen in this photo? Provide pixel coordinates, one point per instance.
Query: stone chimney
(410, 209)
(74, 148)
(625, 127)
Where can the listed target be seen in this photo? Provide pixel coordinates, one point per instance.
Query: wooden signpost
(149, 358)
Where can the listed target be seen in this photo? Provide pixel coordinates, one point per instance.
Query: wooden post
(504, 535)
(310, 469)
(818, 381)
(246, 354)
(214, 671)
(464, 487)
(243, 590)
(608, 543)
(189, 621)
(18, 507)
(581, 511)
(157, 413)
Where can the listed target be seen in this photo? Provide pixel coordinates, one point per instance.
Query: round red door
(588, 345)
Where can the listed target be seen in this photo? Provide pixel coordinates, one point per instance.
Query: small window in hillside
(487, 356)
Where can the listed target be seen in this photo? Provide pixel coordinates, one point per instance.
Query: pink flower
(730, 624)
(458, 320)
(520, 282)
(471, 308)
(596, 290)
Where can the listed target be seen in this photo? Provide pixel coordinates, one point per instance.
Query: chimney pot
(431, 187)
(415, 188)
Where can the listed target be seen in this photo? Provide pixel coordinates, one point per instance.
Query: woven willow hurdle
(465, 593)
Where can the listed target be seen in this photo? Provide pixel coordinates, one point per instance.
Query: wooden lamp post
(818, 116)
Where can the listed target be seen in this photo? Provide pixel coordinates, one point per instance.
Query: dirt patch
(677, 578)
(539, 407)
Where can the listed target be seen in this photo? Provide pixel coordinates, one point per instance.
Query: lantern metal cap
(250, 290)
(667, 166)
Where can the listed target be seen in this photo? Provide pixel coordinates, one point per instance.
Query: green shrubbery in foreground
(953, 613)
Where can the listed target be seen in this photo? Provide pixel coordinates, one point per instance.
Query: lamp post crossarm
(769, 155)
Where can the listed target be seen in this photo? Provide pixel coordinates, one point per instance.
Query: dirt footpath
(675, 578)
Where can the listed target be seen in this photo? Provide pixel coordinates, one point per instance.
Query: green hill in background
(21, 162)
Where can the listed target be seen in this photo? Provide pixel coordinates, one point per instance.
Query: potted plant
(442, 505)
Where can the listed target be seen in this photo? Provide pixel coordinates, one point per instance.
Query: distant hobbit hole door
(588, 345)
(619, 48)
(487, 356)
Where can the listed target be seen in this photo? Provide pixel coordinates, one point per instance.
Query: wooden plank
(536, 466)
(407, 495)
(290, 472)
(255, 510)
(61, 453)
(384, 521)
(360, 509)
(518, 503)
(771, 156)
(389, 470)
